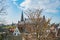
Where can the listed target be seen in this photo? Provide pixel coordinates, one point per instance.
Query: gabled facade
(16, 32)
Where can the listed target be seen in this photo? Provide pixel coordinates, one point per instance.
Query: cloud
(51, 11)
(14, 0)
(25, 3)
(48, 5)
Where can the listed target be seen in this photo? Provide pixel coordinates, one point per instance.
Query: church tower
(22, 16)
(44, 17)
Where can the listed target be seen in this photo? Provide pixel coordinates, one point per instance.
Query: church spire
(22, 18)
(44, 17)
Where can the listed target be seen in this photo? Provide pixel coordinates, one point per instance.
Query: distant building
(16, 32)
(1, 24)
(55, 30)
(3, 30)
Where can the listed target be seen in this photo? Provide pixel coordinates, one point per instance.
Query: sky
(51, 9)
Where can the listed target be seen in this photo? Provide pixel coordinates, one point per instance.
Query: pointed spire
(22, 18)
(44, 17)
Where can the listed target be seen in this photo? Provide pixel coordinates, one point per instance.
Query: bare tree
(39, 25)
(3, 10)
(3, 7)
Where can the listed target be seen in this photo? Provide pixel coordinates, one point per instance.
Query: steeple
(22, 18)
(44, 17)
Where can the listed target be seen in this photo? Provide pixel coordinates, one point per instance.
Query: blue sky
(51, 9)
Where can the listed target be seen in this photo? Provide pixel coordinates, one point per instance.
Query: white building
(16, 32)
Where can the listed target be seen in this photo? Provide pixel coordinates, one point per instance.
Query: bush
(1, 37)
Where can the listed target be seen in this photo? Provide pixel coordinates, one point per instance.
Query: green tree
(1, 37)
